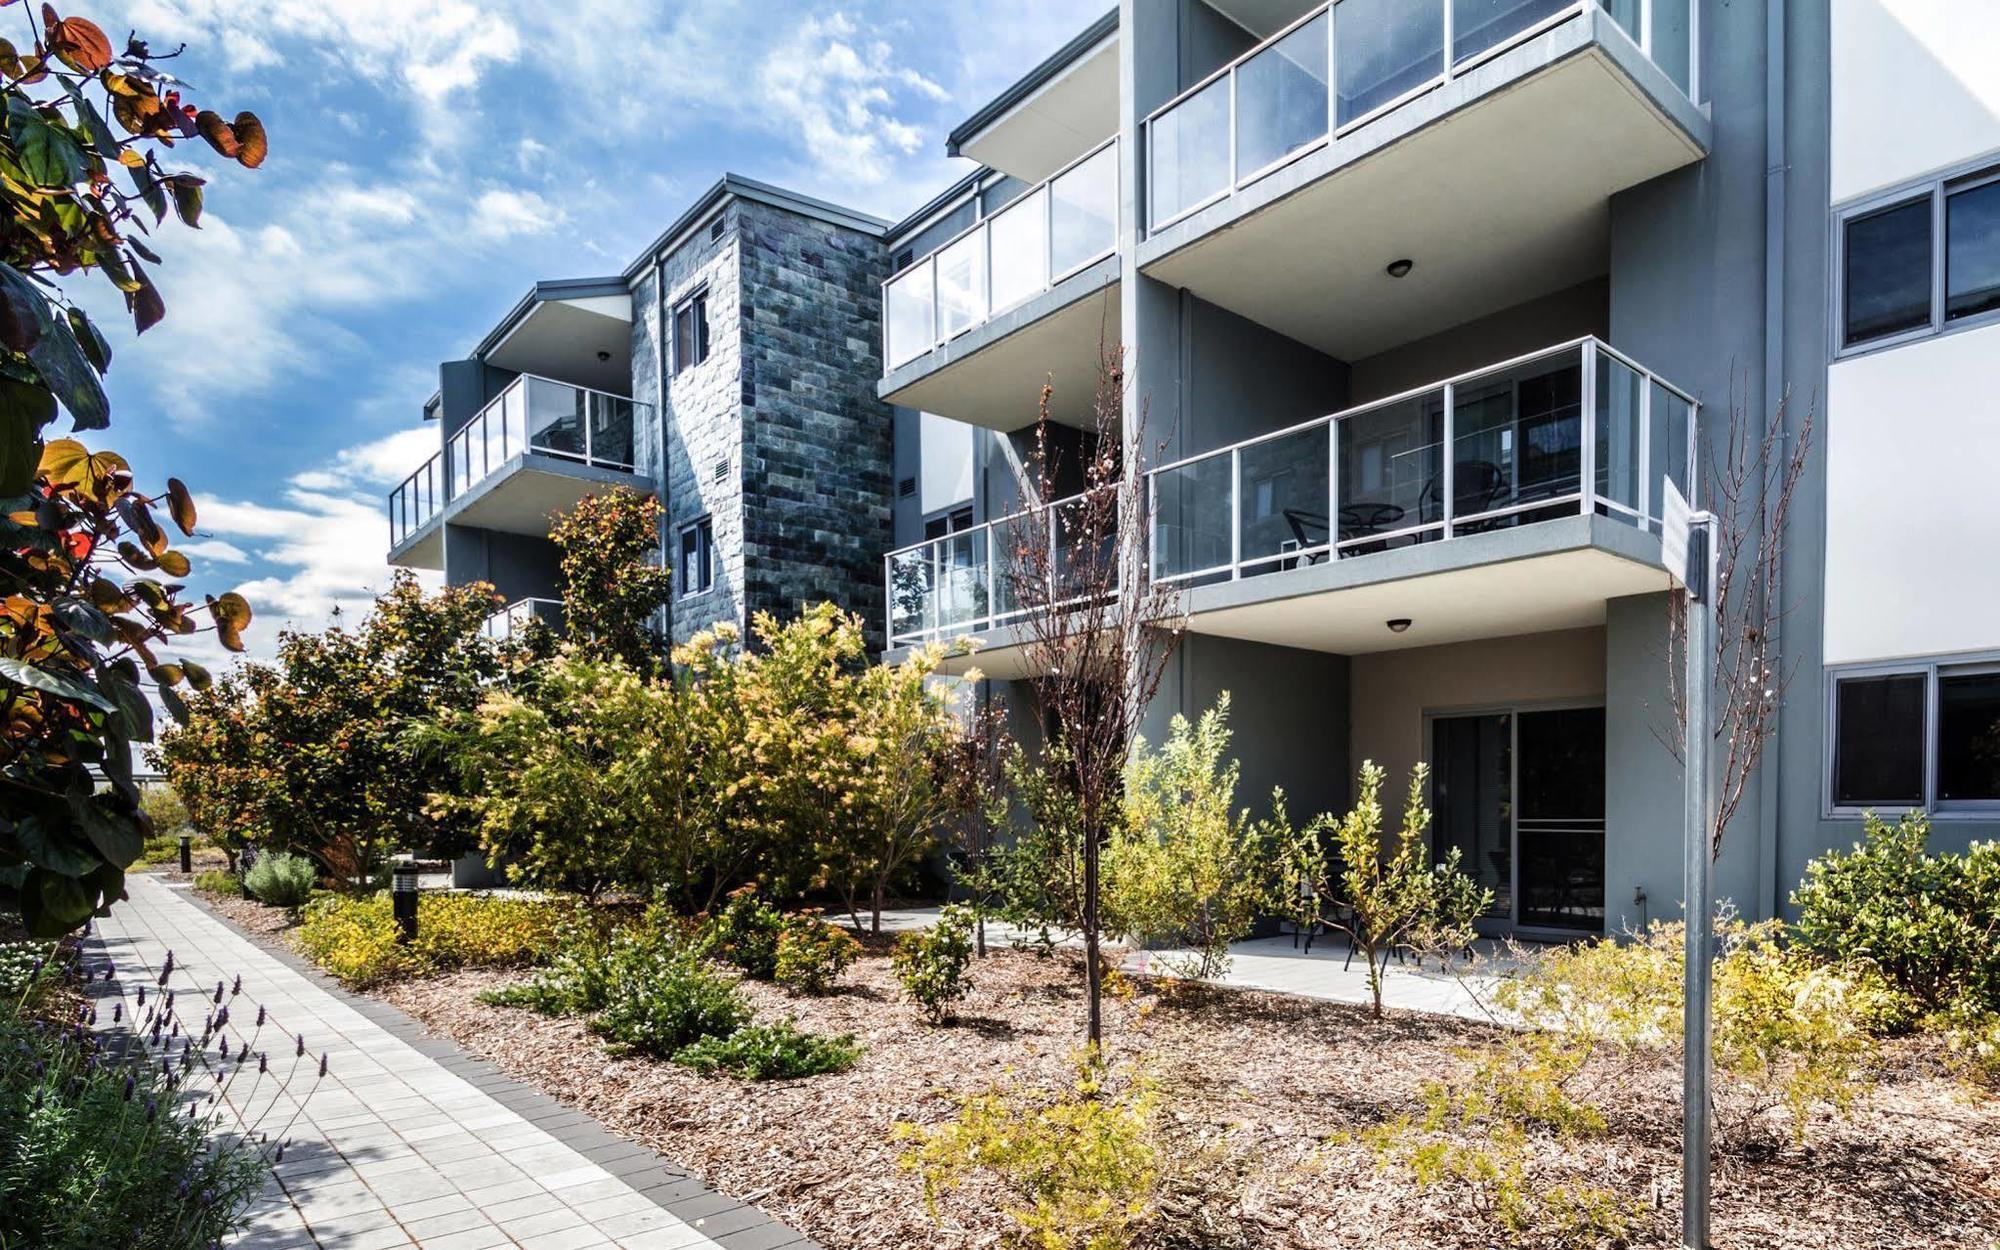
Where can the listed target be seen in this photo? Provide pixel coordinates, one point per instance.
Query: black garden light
(403, 898)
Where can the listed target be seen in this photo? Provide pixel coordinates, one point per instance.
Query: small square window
(1878, 741)
(697, 557)
(1888, 272)
(1972, 251)
(1968, 764)
(691, 333)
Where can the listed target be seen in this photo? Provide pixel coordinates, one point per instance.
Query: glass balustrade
(413, 503)
(514, 620)
(1041, 237)
(976, 580)
(1340, 65)
(1573, 430)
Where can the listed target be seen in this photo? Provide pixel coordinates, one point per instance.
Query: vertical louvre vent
(906, 487)
(715, 231)
(721, 470)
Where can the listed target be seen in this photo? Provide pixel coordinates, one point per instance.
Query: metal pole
(403, 897)
(187, 853)
(1700, 911)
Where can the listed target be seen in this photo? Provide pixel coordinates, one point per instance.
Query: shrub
(812, 954)
(932, 963)
(662, 997)
(20, 968)
(355, 938)
(578, 978)
(746, 933)
(281, 880)
(1928, 923)
(93, 1153)
(1079, 1165)
(770, 1052)
(219, 881)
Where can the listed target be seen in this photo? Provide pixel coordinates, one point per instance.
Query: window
(697, 557)
(691, 332)
(952, 522)
(1924, 737)
(1927, 260)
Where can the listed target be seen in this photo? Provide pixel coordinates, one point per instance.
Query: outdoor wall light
(1399, 625)
(604, 358)
(1400, 268)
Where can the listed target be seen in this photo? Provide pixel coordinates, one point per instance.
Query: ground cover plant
(355, 938)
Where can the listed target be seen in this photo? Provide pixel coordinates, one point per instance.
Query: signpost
(1687, 549)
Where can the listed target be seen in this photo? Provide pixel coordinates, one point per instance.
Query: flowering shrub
(770, 1052)
(662, 997)
(1079, 1165)
(745, 933)
(812, 954)
(281, 880)
(355, 938)
(932, 963)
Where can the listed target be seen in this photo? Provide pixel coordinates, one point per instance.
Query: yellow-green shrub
(1080, 1163)
(355, 938)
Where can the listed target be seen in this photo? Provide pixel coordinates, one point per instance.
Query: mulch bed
(1258, 1094)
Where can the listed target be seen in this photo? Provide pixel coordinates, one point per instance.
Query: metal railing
(516, 617)
(1575, 429)
(1345, 63)
(532, 413)
(1061, 225)
(965, 583)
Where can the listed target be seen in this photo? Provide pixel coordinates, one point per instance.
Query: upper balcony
(1480, 140)
(514, 620)
(1515, 499)
(534, 450)
(971, 330)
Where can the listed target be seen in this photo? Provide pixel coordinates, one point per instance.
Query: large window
(1922, 260)
(697, 557)
(1924, 737)
(691, 332)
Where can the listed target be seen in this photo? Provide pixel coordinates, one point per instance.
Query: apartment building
(729, 370)
(1428, 300)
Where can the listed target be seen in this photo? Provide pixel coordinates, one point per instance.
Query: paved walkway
(407, 1142)
(1323, 972)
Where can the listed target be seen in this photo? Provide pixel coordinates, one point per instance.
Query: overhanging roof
(1033, 81)
(738, 187)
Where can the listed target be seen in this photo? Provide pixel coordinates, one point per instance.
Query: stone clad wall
(817, 443)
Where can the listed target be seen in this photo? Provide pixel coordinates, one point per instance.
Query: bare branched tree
(1096, 634)
(1749, 486)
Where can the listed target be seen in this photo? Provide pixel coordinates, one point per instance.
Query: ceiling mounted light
(1400, 268)
(1400, 625)
(604, 358)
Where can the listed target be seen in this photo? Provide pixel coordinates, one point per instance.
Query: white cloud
(216, 551)
(498, 214)
(841, 93)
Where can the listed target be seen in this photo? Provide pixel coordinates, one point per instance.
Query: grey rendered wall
(817, 443)
(1288, 711)
(518, 566)
(1243, 379)
(1554, 318)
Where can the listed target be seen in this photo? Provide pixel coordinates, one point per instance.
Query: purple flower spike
(222, 1047)
(117, 1013)
(128, 1089)
(142, 996)
(322, 1063)
(302, 1047)
(263, 1063)
(280, 1156)
(218, 991)
(108, 970)
(260, 1016)
(152, 1109)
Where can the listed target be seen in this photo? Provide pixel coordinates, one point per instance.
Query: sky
(431, 159)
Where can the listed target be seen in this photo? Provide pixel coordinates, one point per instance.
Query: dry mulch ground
(1257, 1093)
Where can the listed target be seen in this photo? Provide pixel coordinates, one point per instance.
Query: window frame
(1937, 187)
(702, 531)
(1932, 669)
(705, 343)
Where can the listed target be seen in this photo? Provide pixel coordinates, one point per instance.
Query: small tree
(1096, 634)
(1390, 898)
(1187, 865)
(612, 586)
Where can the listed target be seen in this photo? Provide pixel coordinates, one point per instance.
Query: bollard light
(403, 898)
(187, 853)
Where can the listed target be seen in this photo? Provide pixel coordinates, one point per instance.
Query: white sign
(1674, 515)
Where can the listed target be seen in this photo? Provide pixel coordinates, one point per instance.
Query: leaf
(231, 612)
(174, 564)
(175, 705)
(187, 193)
(72, 377)
(198, 676)
(23, 310)
(169, 674)
(136, 515)
(147, 307)
(45, 152)
(78, 43)
(24, 409)
(85, 619)
(52, 904)
(253, 144)
(180, 505)
(220, 134)
(132, 705)
(148, 186)
(66, 462)
(96, 348)
(100, 134)
(52, 851)
(27, 675)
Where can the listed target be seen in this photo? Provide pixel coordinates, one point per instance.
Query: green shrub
(933, 963)
(578, 977)
(354, 938)
(1079, 1165)
(1929, 923)
(662, 997)
(281, 880)
(20, 967)
(88, 1160)
(219, 881)
(770, 1052)
(745, 933)
(812, 954)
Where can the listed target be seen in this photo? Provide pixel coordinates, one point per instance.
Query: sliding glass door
(1520, 793)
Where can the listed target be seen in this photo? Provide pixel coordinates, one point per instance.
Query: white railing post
(1332, 490)
(1645, 451)
(1587, 452)
(1448, 58)
(1235, 513)
(1234, 173)
(1449, 450)
(1646, 28)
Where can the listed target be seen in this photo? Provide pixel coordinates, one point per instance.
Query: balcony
(515, 619)
(1514, 499)
(1018, 277)
(534, 449)
(1482, 139)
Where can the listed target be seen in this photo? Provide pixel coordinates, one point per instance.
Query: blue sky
(429, 160)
